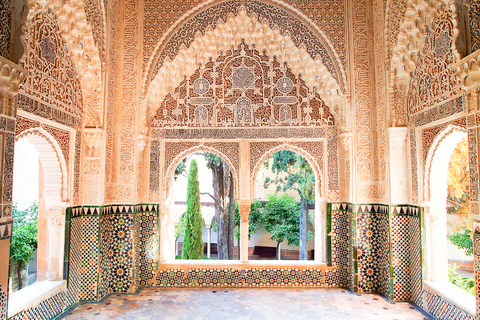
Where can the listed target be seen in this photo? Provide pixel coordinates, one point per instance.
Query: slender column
(320, 222)
(437, 266)
(11, 77)
(209, 237)
(167, 250)
(56, 238)
(244, 207)
(398, 165)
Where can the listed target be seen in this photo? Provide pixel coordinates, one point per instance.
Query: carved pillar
(11, 77)
(244, 207)
(92, 168)
(398, 165)
(436, 229)
(122, 101)
(368, 100)
(55, 238)
(167, 231)
(321, 223)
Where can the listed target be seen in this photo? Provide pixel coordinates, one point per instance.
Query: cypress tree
(192, 241)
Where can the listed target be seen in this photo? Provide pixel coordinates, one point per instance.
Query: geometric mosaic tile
(415, 247)
(250, 277)
(3, 303)
(340, 247)
(116, 250)
(84, 253)
(476, 254)
(442, 309)
(146, 247)
(48, 309)
(370, 233)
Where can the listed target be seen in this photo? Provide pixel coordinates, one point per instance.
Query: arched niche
(167, 239)
(52, 202)
(320, 219)
(435, 194)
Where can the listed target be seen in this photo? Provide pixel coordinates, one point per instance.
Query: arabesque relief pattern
(5, 28)
(405, 51)
(370, 144)
(52, 76)
(429, 134)
(435, 81)
(61, 136)
(242, 88)
(474, 17)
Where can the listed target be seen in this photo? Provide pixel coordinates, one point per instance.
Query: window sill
(33, 295)
(239, 264)
(452, 294)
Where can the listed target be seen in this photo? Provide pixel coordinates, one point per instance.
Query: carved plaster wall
(52, 79)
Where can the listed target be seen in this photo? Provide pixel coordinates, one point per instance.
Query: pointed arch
(319, 181)
(316, 60)
(53, 165)
(200, 148)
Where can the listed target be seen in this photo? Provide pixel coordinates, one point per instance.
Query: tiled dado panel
(476, 255)
(3, 303)
(101, 257)
(48, 309)
(146, 244)
(371, 247)
(442, 309)
(243, 277)
(339, 241)
(406, 267)
(116, 249)
(83, 253)
(416, 263)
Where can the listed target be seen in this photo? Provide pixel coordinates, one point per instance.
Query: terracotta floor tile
(246, 304)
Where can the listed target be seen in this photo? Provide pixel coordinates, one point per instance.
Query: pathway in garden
(246, 303)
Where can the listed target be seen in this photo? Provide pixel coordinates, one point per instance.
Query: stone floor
(243, 303)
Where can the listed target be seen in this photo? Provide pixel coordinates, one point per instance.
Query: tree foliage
(293, 172)
(24, 233)
(458, 179)
(467, 284)
(458, 188)
(463, 240)
(180, 227)
(280, 217)
(297, 174)
(24, 236)
(192, 241)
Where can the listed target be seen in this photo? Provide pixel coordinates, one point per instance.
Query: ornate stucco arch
(53, 165)
(438, 157)
(225, 25)
(319, 181)
(200, 148)
(435, 194)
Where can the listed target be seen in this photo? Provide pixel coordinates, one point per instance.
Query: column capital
(55, 215)
(244, 208)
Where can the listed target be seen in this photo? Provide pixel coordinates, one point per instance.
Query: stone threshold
(453, 294)
(33, 295)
